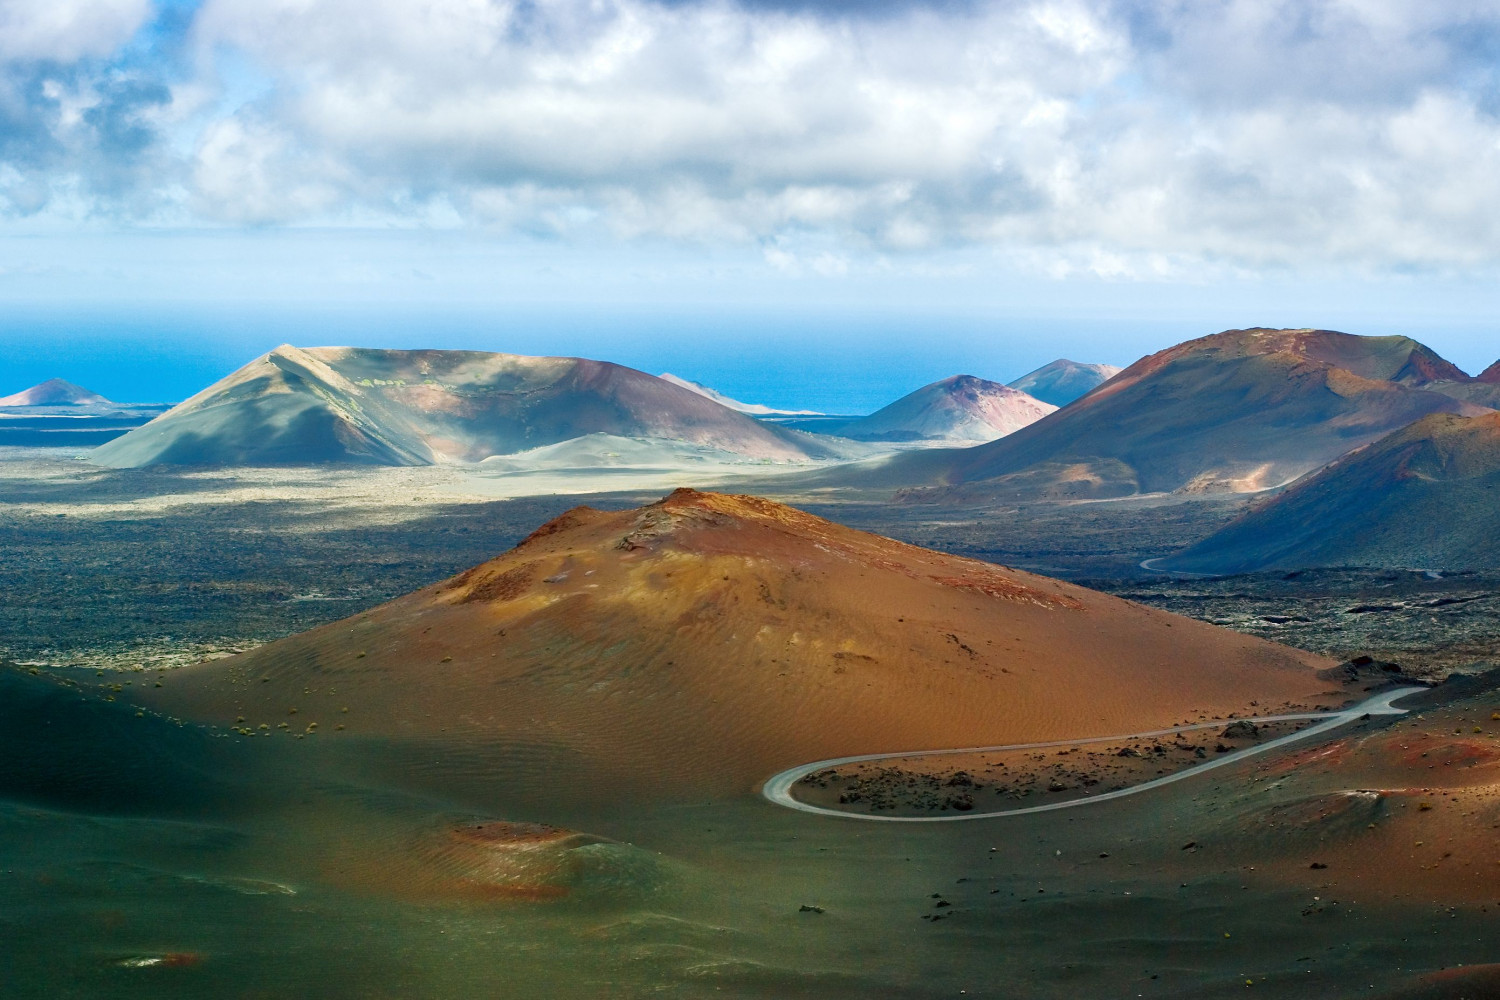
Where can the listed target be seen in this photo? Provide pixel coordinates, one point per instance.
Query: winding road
(778, 788)
(1146, 564)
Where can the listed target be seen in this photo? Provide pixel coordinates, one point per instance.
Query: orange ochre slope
(1407, 811)
(715, 639)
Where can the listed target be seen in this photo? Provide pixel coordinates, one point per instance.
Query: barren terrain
(147, 857)
(962, 782)
(196, 563)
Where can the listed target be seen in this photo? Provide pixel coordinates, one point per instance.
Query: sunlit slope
(343, 404)
(707, 641)
(754, 409)
(1427, 496)
(960, 408)
(1409, 809)
(54, 392)
(1062, 381)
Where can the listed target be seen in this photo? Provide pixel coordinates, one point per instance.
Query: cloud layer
(1129, 138)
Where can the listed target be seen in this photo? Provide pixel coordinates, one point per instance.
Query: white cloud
(1131, 139)
(249, 173)
(689, 120)
(67, 30)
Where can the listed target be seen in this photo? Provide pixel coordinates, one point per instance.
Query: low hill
(297, 406)
(754, 409)
(54, 392)
(961, 408)
(1479, 391)
(1483, 389)
(58, 414)
(1062, 381)
(707, 641)
(1425, 497)
(1239, 411)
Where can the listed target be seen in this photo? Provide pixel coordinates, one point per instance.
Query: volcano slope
(706, 641)
(54, 392)
(960, 408)
(1238, 411)
(1483, 389)
(1402, 809)
(308, 406)
(1062, 381)
(1425, 497)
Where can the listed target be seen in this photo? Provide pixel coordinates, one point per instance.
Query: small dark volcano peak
(1424, 367)
(965, 381)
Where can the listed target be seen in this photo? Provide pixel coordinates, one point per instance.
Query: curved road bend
(1183, 574)
(778, 788)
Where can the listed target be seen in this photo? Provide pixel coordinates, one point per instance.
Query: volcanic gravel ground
(997, 780)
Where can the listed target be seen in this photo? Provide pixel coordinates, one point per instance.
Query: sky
(804, 203)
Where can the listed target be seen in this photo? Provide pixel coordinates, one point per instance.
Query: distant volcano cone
(1063, 381)
(54, 392)
(960, 408)
(317, 405)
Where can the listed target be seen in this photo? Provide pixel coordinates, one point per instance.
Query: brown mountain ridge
(1237, 411)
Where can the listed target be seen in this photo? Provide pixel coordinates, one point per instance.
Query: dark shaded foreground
(144, 858)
